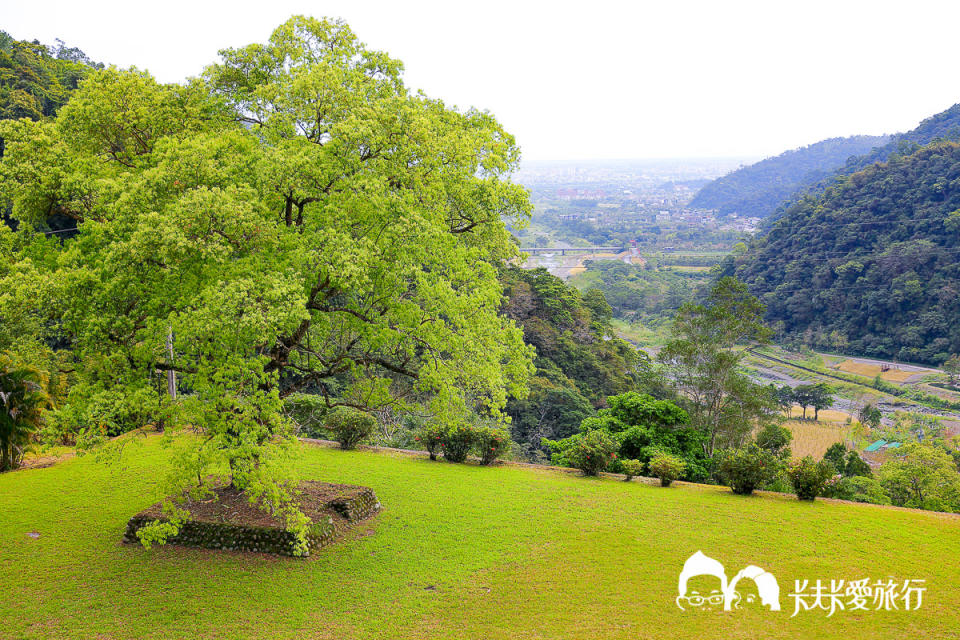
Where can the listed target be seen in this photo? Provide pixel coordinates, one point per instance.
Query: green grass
(640, 334)
(507, 552)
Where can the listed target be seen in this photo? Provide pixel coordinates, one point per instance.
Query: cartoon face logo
(703, 586)
(760, 589)
(703, 583)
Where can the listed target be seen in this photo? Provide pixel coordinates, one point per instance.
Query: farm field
(688, 268)
(826, 415)
(814, 438)
(459, 551)
(872, 370)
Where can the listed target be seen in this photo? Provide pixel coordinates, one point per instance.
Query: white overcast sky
(590, 79)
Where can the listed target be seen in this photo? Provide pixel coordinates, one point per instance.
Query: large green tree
(296, 220)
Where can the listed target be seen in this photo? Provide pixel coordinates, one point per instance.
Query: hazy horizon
(680, 80)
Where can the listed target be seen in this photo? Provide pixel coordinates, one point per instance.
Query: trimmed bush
(631, 468)
(492, 443)
(809, 478)
(666, 467)
(431, 438)
(592, 452)
(458, 441)
(350, 426)
(744, 470)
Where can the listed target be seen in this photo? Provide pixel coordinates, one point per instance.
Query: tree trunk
(171, 374)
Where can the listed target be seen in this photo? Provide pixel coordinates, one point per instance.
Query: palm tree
(22, 399)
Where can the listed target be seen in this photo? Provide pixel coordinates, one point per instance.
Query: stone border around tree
(344, 513)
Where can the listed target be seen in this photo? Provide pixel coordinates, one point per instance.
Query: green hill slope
(459, 551)
(942, 126)
(758, 189)
(872, 266)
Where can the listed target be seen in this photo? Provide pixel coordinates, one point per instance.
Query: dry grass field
(872, 370)
(826, 415)
(814, 438)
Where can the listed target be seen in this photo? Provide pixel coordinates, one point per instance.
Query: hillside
(456, 553)
(870, 267)
(944, 125)
(578, 362)
(758, 189)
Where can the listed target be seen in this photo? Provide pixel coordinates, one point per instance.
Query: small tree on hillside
(744, 470)
(837, 455)
(952, 367)
(804, 395)
(821, 397)
(708, 342)
(785, 399)
(775, 439)
(870, 416)
(809, 478)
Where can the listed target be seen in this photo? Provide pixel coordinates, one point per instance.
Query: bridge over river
(565, 250)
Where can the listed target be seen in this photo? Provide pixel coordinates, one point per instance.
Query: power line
(57, 231)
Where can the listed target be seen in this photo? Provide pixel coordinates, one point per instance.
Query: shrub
(856, 466)
(744, 470)
(809, 477)
(631, 468)
(837, 455)
(350, 426)
(308, 412)
(836, 487)
(431, 438)
(591, 452)
(666, 467)
(458, 441)
(775, 439)
(492, 443)
(866, 489)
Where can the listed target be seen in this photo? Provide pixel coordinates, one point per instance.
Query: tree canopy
(294, 220)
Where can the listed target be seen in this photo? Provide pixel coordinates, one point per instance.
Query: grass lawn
(459, 551)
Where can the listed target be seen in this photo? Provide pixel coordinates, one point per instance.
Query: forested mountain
(758, 189)
(872, 265)
(578, 361)
(944, 125)
(36, 80)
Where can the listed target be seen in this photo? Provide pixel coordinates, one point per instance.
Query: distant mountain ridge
(872, 265)
(758, 189)
(768, 188)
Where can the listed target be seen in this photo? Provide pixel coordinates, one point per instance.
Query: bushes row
(597, 450)
(458, 442)
(350, 427)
